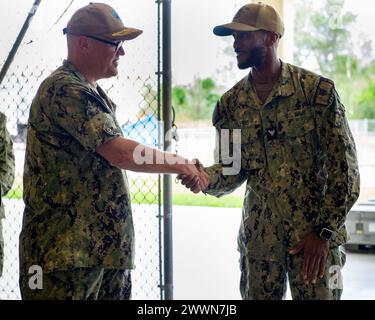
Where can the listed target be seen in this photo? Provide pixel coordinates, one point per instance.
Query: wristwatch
(324, 233)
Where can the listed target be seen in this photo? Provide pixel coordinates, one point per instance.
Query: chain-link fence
(16, 93)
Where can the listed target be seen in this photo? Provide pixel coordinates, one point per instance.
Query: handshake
(194, 177)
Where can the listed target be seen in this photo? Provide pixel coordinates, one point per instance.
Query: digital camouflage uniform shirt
(77, 205)
(6, 175)
(298, 157)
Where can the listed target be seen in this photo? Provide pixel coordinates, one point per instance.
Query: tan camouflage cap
(252, 17)
(100, 20)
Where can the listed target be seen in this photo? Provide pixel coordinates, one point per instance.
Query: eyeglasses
(117, 44)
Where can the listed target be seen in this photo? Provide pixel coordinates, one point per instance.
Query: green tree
(196, 100)
(366, 103)
(323, 37)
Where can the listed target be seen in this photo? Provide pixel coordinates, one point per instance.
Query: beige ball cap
(100, 20)
(252, 17)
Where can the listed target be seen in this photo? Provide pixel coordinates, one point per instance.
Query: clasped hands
(195, 179)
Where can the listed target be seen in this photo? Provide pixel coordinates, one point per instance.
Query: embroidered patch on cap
(115, 15)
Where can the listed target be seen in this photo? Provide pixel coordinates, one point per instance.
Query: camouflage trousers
(80, 284)
(1, 248)
(267, 280)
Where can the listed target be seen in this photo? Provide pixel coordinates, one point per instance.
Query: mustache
(239, 51)
(255, 56)
(256, 50)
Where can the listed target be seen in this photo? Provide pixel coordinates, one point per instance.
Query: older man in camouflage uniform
(78, 229)
(6, 175)
(298, 159)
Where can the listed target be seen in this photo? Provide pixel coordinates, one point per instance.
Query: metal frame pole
(167, 179)
(17, 43)
(160, 146)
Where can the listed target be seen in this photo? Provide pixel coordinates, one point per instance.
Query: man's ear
(83, 43)
(272, 38)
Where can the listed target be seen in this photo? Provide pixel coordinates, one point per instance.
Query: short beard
(256, 58)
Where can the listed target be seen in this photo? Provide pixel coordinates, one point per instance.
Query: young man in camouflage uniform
(298, 159)
(6, 176)
(77, 228)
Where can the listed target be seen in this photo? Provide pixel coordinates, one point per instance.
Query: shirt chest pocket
(297, 135)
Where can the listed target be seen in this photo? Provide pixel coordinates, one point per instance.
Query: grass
(14, 194)
(178, 199)
(190, 199)
(201, 200)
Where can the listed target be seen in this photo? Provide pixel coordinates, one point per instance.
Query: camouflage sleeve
(338, 151)
(221, 183)
(7, 162)
(84, 117)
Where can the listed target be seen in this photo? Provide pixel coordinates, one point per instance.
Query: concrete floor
(206, 259)
(205, 256)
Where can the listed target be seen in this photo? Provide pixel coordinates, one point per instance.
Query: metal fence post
(167, 179)
(17, 43)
